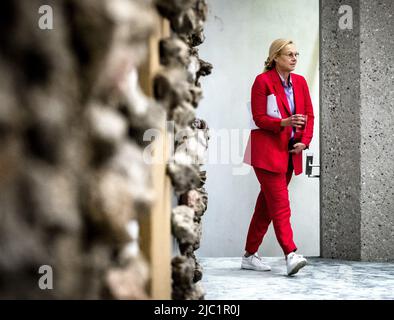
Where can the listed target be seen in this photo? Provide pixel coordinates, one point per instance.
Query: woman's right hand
(296, 120)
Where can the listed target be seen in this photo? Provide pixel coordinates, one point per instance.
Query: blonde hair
(275, 48)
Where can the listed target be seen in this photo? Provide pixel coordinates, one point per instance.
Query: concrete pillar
(357, 176)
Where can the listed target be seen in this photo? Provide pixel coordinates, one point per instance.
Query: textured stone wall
(377, 130)
(340, 133)
(177, 87)
(72, 178)
(357, 219)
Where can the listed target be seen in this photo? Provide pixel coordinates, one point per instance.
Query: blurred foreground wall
(84, 214)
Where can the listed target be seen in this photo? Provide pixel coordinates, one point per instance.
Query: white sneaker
(254, 262)
(294, 263)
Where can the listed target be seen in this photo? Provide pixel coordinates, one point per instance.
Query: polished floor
(321, 279)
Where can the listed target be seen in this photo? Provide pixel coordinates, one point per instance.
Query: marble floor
(321, 279)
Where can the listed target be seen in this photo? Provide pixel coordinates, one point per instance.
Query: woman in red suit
(283, 112)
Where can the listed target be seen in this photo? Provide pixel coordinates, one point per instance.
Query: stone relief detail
(73, 180)
(177, 87)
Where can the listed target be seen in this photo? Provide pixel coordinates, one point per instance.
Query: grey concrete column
(357, 155)
(377, 129)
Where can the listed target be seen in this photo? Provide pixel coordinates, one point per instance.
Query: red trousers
(272, 205)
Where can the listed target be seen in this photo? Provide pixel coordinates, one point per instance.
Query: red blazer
(267, 147)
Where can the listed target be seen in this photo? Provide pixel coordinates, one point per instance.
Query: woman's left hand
(298, 147)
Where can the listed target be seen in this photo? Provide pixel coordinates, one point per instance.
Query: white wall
(238, 34)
